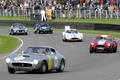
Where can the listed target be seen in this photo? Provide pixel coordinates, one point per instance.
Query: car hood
(20, 28)
(102, 42)
(26, 57)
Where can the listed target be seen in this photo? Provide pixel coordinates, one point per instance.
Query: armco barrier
(61, 25)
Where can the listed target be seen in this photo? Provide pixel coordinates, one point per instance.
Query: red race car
(103, 43)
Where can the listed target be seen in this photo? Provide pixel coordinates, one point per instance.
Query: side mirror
(23, 52)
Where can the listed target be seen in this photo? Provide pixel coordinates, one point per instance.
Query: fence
(65, 13)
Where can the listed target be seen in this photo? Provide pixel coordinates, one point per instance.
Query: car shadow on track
(49, 72)
(105, 52)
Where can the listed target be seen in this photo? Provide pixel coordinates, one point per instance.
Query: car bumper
(20, 31)
(23, 66)
(74, 39)
(45, 30)
(101, 48)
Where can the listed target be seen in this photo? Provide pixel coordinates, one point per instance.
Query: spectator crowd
(67, 5)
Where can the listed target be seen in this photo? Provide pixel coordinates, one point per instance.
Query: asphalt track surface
(80, 64)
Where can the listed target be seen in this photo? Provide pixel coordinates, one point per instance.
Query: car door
(55, 59)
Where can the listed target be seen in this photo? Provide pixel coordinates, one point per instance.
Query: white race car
(72, 35)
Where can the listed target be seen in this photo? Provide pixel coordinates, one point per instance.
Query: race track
(80, 64)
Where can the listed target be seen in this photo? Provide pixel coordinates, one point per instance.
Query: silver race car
(18, 28)
(72, 35)
(36, 59)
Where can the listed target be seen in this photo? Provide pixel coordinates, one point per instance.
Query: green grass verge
(8, 44)
(14, 18)
(102, 21)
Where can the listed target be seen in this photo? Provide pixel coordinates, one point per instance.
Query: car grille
(21, 30)
(22, 64)
(74, 38)
(100, 46)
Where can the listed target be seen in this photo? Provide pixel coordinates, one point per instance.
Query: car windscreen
(71, 31)
(36, 50)
(44, 25)
(18, 26)
(103, 38)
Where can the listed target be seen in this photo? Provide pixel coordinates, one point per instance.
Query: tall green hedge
(61, 1)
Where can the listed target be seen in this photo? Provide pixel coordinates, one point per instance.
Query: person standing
(49, 13)
(43, 15)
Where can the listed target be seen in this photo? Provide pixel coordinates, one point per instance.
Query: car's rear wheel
(11, 70)
(62, 66)
(43, 68)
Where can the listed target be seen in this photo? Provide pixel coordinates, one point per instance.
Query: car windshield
(42, 25)
(104, 38)
(18, 26)
(37, 50)
(71, 31)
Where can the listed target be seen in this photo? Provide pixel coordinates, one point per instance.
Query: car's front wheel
(91, 50)
(12, 33)
(51, 32)
(115, 49)
(62, 66)
(43, 68)
(26, 33)
(11, 70)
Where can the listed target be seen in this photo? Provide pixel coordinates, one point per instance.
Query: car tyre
(115, 49)
(80, 40)
(26, 33)
(51, 32)
(112, 50)
(12, 33)
(39, 31)
(91, 50)
(11, 70)
(9, 33)
(62, 66)
(43, 68)
(35, 32)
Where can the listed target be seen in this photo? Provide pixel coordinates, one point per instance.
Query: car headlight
(26, 29)
(8, 60)
(51, 28)
(67, 36)
(35, 61)
(14, 30)
(81, 36)
(108, 44)
(92, 44)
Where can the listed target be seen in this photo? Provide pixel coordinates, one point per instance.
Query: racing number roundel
(19, 58)
(56, 61)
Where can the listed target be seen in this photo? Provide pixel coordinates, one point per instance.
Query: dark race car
(18, 28)
(103, 43)
(43, 28)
